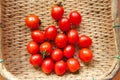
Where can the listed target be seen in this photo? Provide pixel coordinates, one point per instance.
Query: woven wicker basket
(99, 16)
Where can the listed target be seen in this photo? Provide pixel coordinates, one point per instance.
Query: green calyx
(44, 54)
(59, 4)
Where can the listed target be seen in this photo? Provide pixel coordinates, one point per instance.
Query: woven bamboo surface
(97, 23)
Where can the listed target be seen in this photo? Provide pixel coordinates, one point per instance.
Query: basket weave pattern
(97, 23)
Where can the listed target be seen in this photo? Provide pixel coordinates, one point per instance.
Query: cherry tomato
(61, 40)
(75, 18)
(57, 54)
(64, 24)
(85, 55)
(47, 65)
(36, 60)
(73, 64)
(50, 32)
(73, 36)
(32, 21)
(57, 12)
(46, 48)
(69, 51)
(84, 41)
(32, 47)
(60, 67)
(38, 36)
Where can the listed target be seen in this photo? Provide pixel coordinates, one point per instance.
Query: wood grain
(117, 77)
(1, 78)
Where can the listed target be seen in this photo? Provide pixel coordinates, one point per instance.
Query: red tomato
(85, 55)
(73, 64)
(61, 40)
(32, 47)
(36, 60)
(60, 67)
(57, 54)
(84, 41)
(75, 18)
(46, 48)
(57, 12)
(38, 36)
(69, 51)
(73, 36)
(50, 32)
(32, 21)
(47, 65)
(64, 24)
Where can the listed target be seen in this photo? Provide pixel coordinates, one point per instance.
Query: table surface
(117, 77)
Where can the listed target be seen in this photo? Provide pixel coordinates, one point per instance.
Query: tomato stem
(44, 54)
(59, 4)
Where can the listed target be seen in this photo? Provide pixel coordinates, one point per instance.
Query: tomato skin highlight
(32, 47)
(73, 65)
(60, 67)
(47, 65)
(84, 41)
(46, 47)
(61, 40)
(64, 24)
(69, 51)
(50, 32)
(38, 36)
(85, 55)
(36, 60)
(73, 36)
(75, 18)
(57, 54)
(32, 21)
(57, 12)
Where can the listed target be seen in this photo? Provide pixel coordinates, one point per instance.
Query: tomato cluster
(54, 51)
